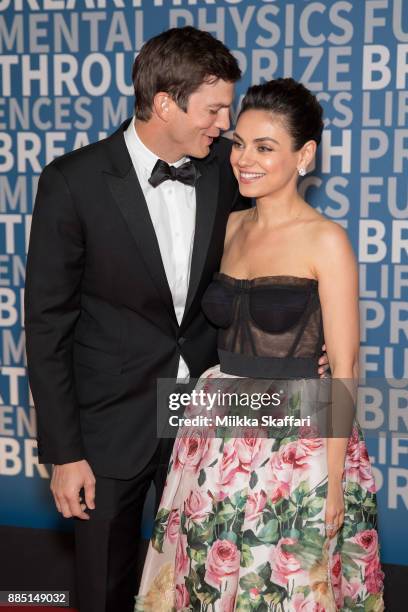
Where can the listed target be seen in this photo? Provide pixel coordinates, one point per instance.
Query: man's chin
(200, 153)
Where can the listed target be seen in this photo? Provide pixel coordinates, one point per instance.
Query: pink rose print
(255, 504)
(246, 448)
(374, 577)
(220, 496)
(368, 539)
(189, 450)
(309, 432)
(336, 570)
(306, 604)
(351, 588)
(227, 602)
(352, 451)
(336, 579)
(230, 465)
(181, 556)
(254, 593)
(222, 561)
(288, 452)
(280, 490)
(354, 438)
(198, 505)
(357, 463)
(284, 564)
(281, 468)
(296, 453)
(182, 597)
(173, 526)
(309, 446)
(208, 453)
(366, 475)
(261, 453)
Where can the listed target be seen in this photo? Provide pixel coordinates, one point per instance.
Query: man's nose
(223, 119)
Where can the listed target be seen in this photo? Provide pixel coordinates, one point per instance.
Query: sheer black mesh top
(269, 326)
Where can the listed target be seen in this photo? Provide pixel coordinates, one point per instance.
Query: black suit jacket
(100, 322)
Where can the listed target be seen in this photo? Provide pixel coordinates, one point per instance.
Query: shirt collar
(141, 154)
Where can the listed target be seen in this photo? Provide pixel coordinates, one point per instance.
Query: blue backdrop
(65, 69)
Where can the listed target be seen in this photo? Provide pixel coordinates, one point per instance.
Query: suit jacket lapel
(206, 208)
(128, 195)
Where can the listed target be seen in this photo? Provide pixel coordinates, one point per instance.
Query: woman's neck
(278, 209)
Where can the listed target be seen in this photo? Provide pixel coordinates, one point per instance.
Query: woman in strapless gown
(282, 522)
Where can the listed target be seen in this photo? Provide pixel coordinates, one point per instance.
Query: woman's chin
(250, 191)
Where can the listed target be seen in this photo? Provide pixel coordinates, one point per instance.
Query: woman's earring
(301, 171)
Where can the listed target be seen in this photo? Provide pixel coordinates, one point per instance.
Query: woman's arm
(338, 290)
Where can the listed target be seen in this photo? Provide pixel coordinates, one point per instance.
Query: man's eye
(213, 112)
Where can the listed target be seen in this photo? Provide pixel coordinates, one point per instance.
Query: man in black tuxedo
(117, 266)
(126, 235)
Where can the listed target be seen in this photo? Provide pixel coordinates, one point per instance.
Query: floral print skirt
(241, 527)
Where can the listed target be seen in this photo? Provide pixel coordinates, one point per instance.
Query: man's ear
(162, 105)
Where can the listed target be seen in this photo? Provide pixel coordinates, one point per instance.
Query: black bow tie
(187, 173)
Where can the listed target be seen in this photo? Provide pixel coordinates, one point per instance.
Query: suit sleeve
(52, 306)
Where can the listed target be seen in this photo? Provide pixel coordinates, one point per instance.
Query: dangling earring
(302, 171)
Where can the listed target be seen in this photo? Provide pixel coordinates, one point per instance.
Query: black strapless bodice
(269, 327)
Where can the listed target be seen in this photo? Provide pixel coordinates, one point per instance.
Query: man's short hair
(178, 61)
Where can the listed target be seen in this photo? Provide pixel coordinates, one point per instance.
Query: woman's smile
(250, 177)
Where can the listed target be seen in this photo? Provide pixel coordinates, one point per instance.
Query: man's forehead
(219, 93)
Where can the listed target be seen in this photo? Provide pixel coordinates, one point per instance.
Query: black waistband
(252, 366)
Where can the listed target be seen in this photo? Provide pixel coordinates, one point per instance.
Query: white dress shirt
(172, 208)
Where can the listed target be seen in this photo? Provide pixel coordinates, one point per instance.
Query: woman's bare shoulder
(331, 251)
(237, 216)
(328, 233)
(235, 221)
